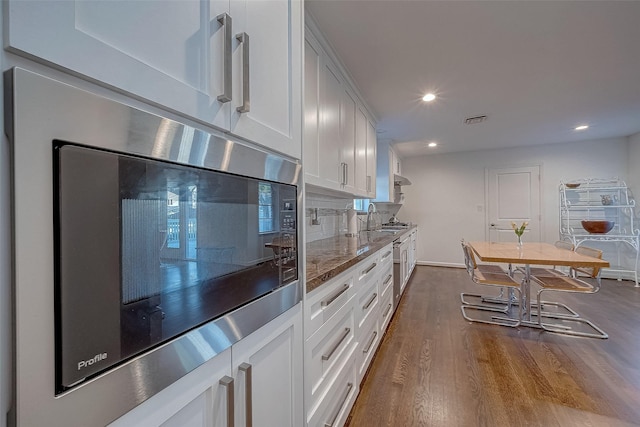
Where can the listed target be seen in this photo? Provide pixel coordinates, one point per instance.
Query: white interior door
(513, 195)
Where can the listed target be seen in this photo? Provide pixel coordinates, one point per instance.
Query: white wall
(633, 164)
(448, 188)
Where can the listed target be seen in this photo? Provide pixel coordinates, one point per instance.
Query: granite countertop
(327, 258)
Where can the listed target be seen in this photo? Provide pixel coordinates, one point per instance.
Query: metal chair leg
(567, 330)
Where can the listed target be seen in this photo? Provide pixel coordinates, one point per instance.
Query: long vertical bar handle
(225, 20)
(246, 99)
(248, 409)
(227, 382)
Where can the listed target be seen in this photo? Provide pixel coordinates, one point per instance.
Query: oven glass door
(147, 250)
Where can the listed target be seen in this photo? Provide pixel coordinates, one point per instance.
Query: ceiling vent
(474, 120)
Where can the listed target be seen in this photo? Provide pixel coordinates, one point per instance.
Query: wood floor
(433, 368)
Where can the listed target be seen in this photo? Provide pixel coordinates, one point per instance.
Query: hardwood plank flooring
(433, 368)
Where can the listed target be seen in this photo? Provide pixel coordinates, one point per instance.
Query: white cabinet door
(396, 164)
(199, 399)
(348, 136)
(363, 181)
(267, 76)
(311, 140)
(154, 50)
(371, 153)
(330, 140)
(267, 367)
(172, 54)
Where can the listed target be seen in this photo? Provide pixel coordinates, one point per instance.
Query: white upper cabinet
(185, 55)
(395, 163)
(385, 162)
(330, 144)
(349, 170)
(311, 136)
(267, 73)
(337, 154)
(362, 179)
(372, 155)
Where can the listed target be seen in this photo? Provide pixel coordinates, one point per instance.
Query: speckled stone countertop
(327, 258)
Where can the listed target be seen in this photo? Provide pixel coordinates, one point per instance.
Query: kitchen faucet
(370, 212)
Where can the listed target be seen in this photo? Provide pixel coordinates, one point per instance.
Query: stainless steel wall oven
(143, 247)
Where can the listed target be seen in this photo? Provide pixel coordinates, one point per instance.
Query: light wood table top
(537, 253)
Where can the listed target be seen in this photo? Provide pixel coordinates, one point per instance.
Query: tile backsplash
(330, 213)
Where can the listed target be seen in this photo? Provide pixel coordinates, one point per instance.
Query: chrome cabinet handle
(368, 304)
(225, 20)
(386, 255)
(246, 99)
(373, 338)
(227, 383)
(387, 279)
(343, 179)
(326, 303)
(368, 183)
(387, 310)
(345, 334)
(248, 410)
(337, 412)
(371, 267)
(346, 173)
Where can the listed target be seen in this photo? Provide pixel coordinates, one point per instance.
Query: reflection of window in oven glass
(266, 223)
(173, 217)
(182, 218)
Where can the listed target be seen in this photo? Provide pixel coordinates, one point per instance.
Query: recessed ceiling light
(432, 144)
(582, 127)
(429, 97)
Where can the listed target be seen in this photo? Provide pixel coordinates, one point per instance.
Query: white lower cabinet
(336, 403)
(386, 298)
(413, 246)
(267, 368)
(326, 351)
(344, 324)
(197, 399)
(258, 379)
(369, 338)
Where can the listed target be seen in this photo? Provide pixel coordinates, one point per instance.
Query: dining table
(527, 254)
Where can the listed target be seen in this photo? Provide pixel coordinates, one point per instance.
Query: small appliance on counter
(352, 223)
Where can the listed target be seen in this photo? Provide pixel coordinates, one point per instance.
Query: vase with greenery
(519, 230)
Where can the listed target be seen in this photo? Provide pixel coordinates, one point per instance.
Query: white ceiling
(537, 69)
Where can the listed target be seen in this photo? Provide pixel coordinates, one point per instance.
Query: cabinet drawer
(386, 309)
(368, 340)
(338, 399)
(368, 301)
(368, 269)
(327, 300)
(387, 280)
(386, 257)
(326, 351)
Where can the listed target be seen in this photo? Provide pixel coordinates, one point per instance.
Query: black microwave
(146, 250)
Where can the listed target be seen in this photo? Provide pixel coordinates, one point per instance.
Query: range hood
(400, 180)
